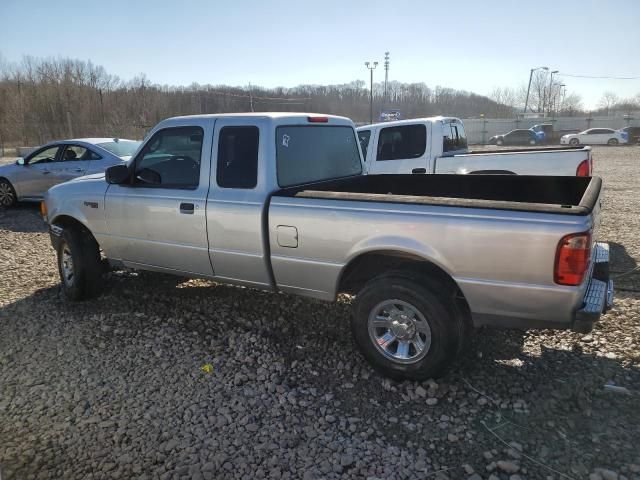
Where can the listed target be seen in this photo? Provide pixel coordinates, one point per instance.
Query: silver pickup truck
(278, 201)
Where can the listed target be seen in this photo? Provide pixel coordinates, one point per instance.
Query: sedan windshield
(121, 148)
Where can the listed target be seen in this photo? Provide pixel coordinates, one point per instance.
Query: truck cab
(409, 146)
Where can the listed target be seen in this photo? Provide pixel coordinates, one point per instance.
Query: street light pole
(550, 85)
(371, 69)
(526, 103)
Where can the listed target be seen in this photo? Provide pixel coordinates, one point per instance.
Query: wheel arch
(67, 221)
(371, 264)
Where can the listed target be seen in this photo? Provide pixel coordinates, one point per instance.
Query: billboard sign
(390, 115)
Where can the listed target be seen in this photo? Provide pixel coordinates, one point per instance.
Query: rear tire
(574, 142)
(79, 265)
(613, 141)
(396, 314)
(8, 195)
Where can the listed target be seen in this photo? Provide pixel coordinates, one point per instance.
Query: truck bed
(561, 195)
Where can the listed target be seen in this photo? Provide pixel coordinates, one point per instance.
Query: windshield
(306, 154)
(121, 148)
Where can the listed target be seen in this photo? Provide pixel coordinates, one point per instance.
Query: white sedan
(594, 136)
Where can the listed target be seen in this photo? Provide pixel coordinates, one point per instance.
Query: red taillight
(584, 169)
(572, 259)
(317, 119)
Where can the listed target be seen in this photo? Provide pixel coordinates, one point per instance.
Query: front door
(37, 176)
(158, 219)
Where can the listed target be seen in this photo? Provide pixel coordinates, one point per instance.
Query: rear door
(235, 204)
(400, 149)
(162, 223)
(73, 163)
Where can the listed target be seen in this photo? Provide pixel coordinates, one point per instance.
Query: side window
(407, 141)
(44, 156)
(238, 157)
(75, 152)
(454, 137)
(363, 137)
(174, 155)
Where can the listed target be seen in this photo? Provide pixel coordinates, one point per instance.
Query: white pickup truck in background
(439, 145)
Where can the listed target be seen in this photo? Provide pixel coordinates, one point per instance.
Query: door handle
(46, 172)
(79, 170)
(187, 208)
(419, 170)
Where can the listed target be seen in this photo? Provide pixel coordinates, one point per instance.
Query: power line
(598, 76)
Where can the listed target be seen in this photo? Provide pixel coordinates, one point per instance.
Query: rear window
(306, 153)
(121, 148)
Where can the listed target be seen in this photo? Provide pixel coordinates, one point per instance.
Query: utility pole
(526, 103)
(371, 69)
(250, 97)
(101, 107)
(386, 78)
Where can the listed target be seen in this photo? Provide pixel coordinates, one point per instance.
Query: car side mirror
(151, 177)
(116, 174)
(20, 161)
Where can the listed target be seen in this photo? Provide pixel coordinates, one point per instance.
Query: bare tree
(608, 100)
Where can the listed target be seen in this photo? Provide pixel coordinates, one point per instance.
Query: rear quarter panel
(502, 261)
(563, 163)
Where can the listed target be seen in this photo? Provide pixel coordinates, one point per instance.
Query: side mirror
(20, 161)
(146, 175)
(116, 174)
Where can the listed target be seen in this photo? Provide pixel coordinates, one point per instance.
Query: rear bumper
(599, 295)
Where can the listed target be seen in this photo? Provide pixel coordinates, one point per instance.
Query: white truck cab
(439, 145)
(409, 146)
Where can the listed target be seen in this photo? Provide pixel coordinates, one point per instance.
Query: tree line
(46, 99)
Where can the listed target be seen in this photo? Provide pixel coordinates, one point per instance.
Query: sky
(462, 44)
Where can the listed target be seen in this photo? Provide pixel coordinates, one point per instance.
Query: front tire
(613, 141)
(8, 195)
(499, 142)
(574, 142)
(79, 265)
(404, 329)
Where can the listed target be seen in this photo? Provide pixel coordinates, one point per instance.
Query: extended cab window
(174, 155)
(406, 141)
(454, 137)
(238, 157)
(363, 137)
(307, 154)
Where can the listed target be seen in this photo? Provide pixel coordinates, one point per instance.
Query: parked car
(632, 134)
(279, 201)
(439, 145)
(594, 136)
(519, 136)
(28, 178)
(548, 134)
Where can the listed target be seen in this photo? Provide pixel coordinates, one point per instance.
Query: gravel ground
(115, 388)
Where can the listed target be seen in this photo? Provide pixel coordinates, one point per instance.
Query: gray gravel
(115, 388)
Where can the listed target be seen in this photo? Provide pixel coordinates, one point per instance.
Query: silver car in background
(56, 162)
